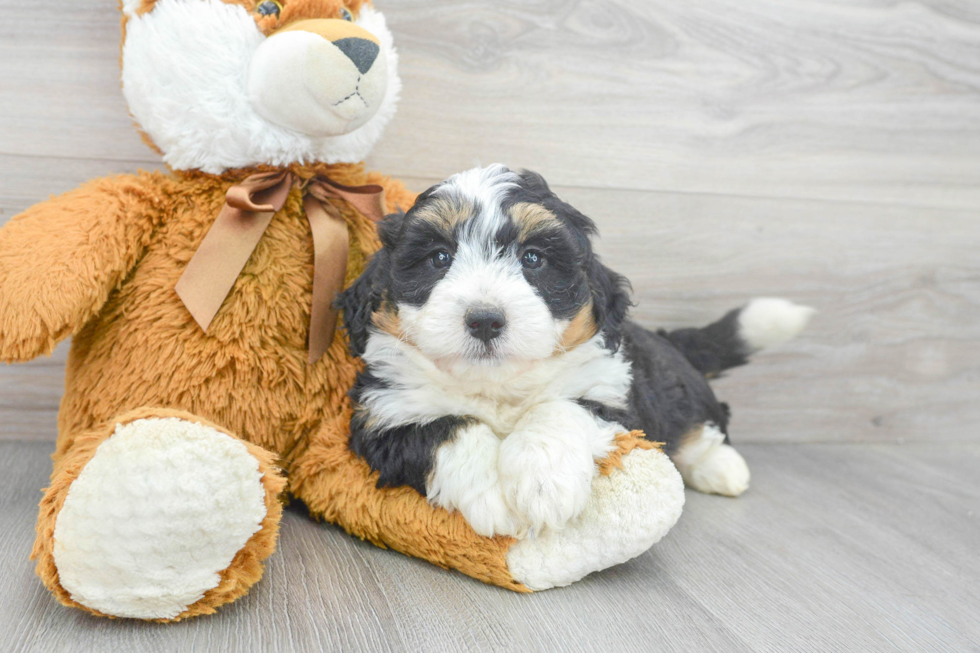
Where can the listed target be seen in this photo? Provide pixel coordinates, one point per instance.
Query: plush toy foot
(630, 509)
(163, 517)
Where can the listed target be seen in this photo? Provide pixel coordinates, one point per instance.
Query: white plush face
(214, 91)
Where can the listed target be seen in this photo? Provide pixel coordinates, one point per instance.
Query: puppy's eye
(346, 15)
(269, 8)
(532, 259)
(441, 259)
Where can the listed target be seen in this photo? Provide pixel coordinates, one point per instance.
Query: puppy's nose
(361, 51)
(485, 322)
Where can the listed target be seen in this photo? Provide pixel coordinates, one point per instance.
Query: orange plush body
(176, 444)
(137, 353)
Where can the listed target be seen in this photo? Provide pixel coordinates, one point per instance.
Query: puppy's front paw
(488, 514)
(545, 479)
(465, 478)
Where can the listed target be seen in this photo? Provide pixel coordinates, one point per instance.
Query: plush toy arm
(60, 260)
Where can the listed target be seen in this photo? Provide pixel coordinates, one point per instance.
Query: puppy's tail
(762, 323)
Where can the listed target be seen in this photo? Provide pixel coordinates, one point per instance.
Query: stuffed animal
(206, 380)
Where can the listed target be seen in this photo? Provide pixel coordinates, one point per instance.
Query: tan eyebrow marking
(445, 213)
(530, 217)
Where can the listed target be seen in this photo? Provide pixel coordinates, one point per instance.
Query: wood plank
(868, 101)
(30, 395)
(60, 83)
(854, 547)
(26, 180)
(835, 547)
(893, 355)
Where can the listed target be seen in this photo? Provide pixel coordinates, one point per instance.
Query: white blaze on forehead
(485, 189)
(185, 67)
(486, 185)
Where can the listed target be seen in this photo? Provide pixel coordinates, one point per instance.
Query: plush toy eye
(269, 8)
(345, 14)
(532, 260)
(441, 259)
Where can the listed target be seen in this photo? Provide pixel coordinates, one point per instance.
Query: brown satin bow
(248, 210)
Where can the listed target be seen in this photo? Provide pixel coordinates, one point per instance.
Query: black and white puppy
(500, 364)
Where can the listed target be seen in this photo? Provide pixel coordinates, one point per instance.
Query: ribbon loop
(262, 192)
(249, 208)
(368, 200)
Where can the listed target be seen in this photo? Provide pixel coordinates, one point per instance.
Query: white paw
(464, 477)
(627, 513)
(488, 514)
(546, 479)
(721, 471)
(154, 518)
(767, 322)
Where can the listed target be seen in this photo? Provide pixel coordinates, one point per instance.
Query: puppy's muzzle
(485, 322)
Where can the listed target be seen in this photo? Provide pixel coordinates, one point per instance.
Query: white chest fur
(419, 390)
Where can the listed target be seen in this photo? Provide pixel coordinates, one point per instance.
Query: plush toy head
(217, 85)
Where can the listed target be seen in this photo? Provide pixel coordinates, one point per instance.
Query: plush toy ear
(364, 296)
(610, 301)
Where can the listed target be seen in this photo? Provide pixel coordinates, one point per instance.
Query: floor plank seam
(564, 187)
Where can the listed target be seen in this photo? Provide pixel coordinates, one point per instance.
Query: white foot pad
(627, 513)
(160, 510)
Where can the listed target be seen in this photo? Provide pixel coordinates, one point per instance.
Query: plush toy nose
(485, 322)
(360, 45)
(361, 51)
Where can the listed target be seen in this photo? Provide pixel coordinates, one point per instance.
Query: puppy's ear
(610, 301)
(535, 189)
(390, 229)
(364, 296)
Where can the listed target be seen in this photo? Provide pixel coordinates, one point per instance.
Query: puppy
(500, 363)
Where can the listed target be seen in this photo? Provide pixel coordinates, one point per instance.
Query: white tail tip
(768, 321)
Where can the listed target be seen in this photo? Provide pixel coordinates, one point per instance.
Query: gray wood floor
(828, 152)
(837, 547)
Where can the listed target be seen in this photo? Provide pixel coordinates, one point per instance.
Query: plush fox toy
(206, 379)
